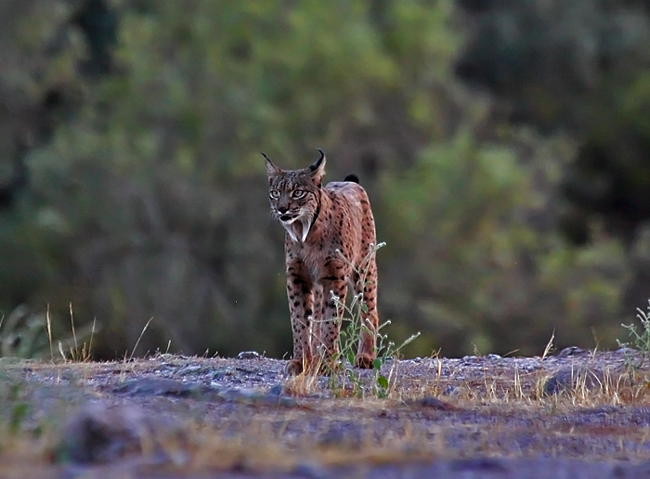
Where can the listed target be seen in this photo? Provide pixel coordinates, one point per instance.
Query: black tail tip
(352, 177)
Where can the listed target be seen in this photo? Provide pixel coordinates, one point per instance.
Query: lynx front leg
(368, 340)
(299, 291)
(331, 313)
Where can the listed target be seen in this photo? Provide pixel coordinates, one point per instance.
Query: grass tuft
(640, 337)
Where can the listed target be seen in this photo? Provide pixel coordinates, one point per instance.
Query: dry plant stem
(549, 346)
(92, 334)
(140, 337)
(48, 324)
(74, 333)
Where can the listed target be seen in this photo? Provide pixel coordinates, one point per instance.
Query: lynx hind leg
(300, 297)
(367, 342)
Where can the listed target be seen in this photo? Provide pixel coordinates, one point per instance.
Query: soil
(578, 414)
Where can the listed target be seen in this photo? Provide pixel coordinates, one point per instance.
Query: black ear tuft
(352, 177)
(313, 167)
(271, 169)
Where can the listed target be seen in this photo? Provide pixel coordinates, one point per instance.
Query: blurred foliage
(134, 187)
(582, 67)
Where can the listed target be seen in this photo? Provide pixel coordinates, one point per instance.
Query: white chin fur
(298, 230)
(288, 222)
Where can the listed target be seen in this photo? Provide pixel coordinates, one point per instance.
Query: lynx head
(295, 196)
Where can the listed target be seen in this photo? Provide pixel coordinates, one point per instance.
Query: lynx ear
(318, 167)
(271, 169)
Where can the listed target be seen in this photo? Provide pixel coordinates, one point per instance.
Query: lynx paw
(294, 367)
(364, 361)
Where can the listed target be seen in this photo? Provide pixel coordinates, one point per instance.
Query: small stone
(249, 355)
(451, 391)
(235, 394)
(493, 357)
(191, 369)
(626, 350)
(277, 390)
(571, 351)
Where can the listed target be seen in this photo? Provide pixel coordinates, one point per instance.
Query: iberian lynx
(320, 220)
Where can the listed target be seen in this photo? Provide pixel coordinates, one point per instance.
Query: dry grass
(589, 385)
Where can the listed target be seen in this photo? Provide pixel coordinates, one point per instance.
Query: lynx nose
(282, 209)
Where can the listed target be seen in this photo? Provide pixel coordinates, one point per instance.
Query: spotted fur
(320, 220)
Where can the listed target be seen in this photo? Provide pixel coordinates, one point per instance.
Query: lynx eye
(274, 194)
(297, 194)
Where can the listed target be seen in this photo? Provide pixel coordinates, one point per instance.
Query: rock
(148, 386)
(483, 465)
(452, 391)
(258, 396)
(571, 379)
(470, 359)
(99, 433)
(571, 351)
(626, 350)
(193, 370)
(249, 355)
(431, 402)
(344, 434)
(277, 390)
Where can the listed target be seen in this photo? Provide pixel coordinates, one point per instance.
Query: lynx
(319, 220)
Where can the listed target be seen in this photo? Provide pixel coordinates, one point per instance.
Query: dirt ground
(577, 414)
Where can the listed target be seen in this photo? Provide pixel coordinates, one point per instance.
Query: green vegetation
(640, 337)
(342, 372)
(131, 185)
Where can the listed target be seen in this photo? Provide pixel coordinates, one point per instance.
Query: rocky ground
(576, 414)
